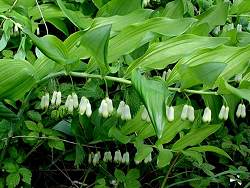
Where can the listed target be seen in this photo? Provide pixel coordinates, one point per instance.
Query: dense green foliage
(124, 93)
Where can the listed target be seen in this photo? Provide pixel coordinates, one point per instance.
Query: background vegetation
(181, 67)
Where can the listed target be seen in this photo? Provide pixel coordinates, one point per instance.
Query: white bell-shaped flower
(120, 108)
(148, 159)
(118, 157)
(103, 109)
(191, 113)
(238, 111)
(238, 78)
(170, 113)
(126, 115)
(42, 104)
(206, 118)
(243, 111)
(226, 113)
(222, 112)
(145, 115)
(239, 27)
(75, 100)
(96, 159)
(83, 105)
(46, 100)
(58, 98)
(110, 105)
(88, 110)
(69, 104)
(125, 158)
(91, 155)
(53, 99)
(184, 113)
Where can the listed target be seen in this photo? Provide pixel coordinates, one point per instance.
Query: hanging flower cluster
(207, 116)
(45, 101)
(56, 98)
(85, 107)
(124, 111)
(241, 111)
(187, 113)
(223, 115)
(106, 107)
(148, 159)
(107, 157)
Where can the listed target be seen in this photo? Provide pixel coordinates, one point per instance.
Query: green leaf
(57, 144)
(211, 149)
(50, 11)
(80, 155)
(240, 6)
(16, 78)
(4, 6)
(160, 55)
(26, 174)
(10, 166)
(120, 22)
(33, 126)
(76, 17)
(192, 75)
(153, 94)
(64, 127)
(196, 136)
(174, 127)
(52, 47)
(116, 133)
(164, 158)
(118, 7)
(132, 175)
(142, 151)
(35, 116)
(174, 9)
(119, 175)
(96, 41)
(194, 155)
(134, 36)
(7, 26)
(225, 88)
(216, 15)
(12, 180)
(6, 113)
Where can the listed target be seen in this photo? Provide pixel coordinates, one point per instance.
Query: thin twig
(121, 80)
(169, 171)
(49, 138)
(46, 27)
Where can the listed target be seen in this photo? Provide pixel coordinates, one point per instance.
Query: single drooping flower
(69, 104)
(96, 159)
(238, 78)
(106, 107)
(53, 99)
(170, 113)
(216, 30)
(120, 108)
(118, 157)
(145, 115)
(125, 158)
(206, 118)
(137, 162)
(45, 101)
(224, 111)
(58, 98)
(239, 27)
(91, 155)
(85, 107)
(148, 159)
(191, 113)
(187, 113)
(241, 111)
(107, 157)
(75, 100)
(124, 111)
